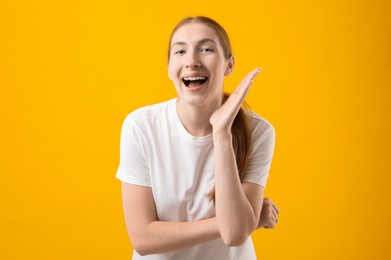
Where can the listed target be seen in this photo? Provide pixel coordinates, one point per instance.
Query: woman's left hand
(224, 116)
(269, 214)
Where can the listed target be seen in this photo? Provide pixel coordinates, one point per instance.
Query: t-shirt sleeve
(261, 154)
(133, 167)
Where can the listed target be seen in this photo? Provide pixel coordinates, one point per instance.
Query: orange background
(70, 71)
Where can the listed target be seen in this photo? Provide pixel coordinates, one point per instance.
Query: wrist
(222, 135)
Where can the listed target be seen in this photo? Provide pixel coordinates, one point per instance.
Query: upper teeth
(194, 78)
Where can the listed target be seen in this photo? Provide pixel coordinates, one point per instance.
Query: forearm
(162, 237)
(234, 213)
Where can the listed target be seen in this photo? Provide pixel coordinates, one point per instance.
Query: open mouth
(194, 81)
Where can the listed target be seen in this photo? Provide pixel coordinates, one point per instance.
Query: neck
(196, 118)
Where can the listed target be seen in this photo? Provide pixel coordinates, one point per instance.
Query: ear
(230, 66)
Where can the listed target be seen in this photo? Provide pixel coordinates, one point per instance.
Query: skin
(198, 57)
(240, 207)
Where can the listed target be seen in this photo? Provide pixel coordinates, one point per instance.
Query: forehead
(194, 32)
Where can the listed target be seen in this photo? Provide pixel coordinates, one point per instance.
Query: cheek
(172, 70)
(171, 74)
(220, 70)
(220, 65)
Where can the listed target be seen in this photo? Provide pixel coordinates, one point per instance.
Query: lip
(197, 88)
(194, 75)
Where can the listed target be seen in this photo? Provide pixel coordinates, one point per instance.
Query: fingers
(276, 209)
(228, 111)
(246, 82)
(240, 93)
(273, 216)
(251, 75)
(271, 211)
(269, 201)
(254, 73)
(274, 206)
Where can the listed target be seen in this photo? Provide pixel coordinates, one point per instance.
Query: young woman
(194, 168)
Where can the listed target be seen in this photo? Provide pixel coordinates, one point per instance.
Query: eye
(207, 50)
(179, 52)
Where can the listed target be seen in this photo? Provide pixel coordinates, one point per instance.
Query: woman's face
(197, 65)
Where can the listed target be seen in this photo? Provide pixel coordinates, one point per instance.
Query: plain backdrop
(70, 71)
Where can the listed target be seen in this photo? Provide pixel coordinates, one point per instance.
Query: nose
(193, 60)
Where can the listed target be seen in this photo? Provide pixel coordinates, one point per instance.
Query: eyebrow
(198, 43)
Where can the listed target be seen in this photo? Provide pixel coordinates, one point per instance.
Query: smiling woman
(193, 188)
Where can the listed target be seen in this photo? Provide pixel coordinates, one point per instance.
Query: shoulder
(259, 126)
(148, 115)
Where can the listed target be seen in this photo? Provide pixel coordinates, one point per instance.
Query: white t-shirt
(158, 152)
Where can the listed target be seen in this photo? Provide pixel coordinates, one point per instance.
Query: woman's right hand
(269, 214)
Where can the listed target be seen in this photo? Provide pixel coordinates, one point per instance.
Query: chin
(194, 100)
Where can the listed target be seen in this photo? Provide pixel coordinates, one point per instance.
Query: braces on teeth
(194, 78)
